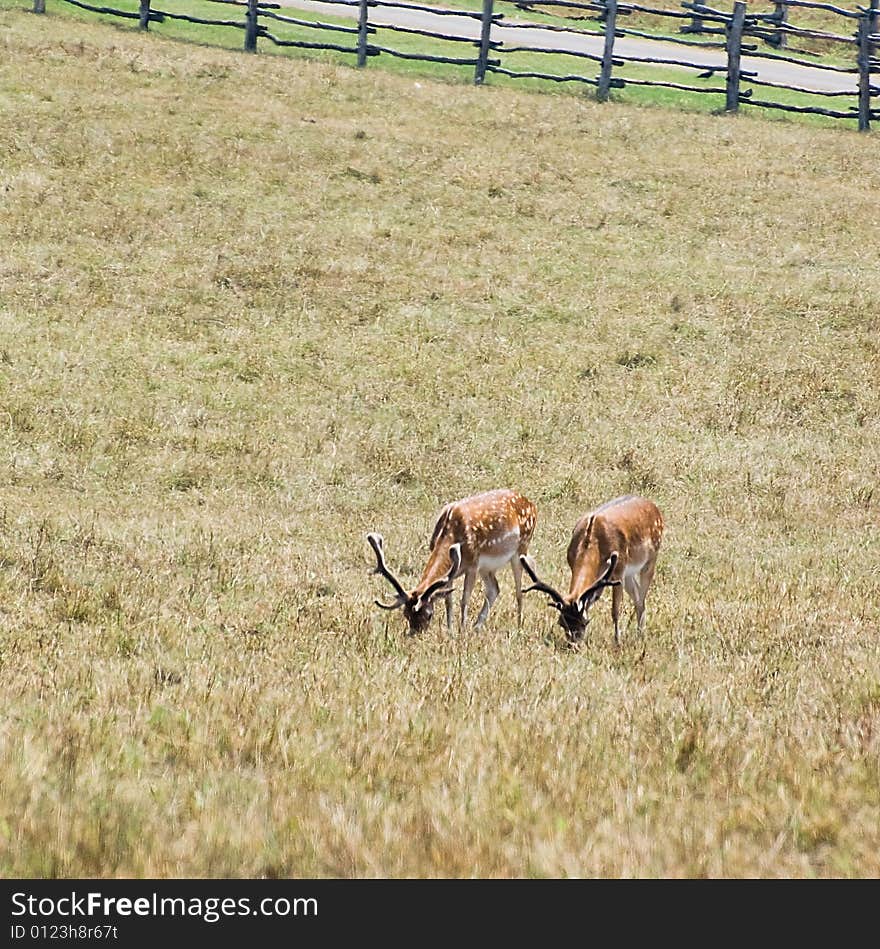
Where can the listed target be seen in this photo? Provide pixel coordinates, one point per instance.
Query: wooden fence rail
(490, 48)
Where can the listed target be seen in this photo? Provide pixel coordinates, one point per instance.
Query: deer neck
(586, 571)
(437, 567)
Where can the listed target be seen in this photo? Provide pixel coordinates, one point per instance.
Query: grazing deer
(477, 535)
(613, 545)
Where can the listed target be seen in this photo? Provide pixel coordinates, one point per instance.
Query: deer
(615, 546)
(475, 536)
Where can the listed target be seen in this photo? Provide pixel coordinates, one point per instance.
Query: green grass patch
(553, 64)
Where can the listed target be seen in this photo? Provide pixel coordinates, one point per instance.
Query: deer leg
(631, 584)
(516, 566)
(449, 611)
(645, 578)
(490, 585)
(468, 587)
(616, 597)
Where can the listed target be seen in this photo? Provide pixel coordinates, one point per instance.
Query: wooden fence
(736, 30)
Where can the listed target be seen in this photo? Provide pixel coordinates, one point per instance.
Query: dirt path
(521, 34)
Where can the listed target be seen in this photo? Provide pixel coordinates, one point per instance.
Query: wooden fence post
(695, 26)
(251, 26)
(485, 41)
(734, 52)
(39, 6)
(781, 39)
(363, 28)
(864, 61)
(144, 19)
(873, 24)
(604, 87)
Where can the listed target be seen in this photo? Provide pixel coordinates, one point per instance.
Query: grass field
(251, 308)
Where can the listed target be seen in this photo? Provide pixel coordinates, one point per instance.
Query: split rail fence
(760, 36)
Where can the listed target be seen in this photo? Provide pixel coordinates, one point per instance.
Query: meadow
(253, 307)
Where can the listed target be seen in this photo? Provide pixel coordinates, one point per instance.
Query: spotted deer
(475, 536)
(615, 545)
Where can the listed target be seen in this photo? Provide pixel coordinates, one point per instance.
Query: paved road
(519, 33)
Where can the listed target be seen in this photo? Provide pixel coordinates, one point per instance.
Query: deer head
(574, 610)
(418, 606)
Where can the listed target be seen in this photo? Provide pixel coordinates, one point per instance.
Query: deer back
(629, 526)
(480, 524)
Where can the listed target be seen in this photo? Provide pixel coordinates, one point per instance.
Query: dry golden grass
(251, 308)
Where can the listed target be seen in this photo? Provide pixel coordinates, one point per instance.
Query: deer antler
(592, 594)
(377, 544)
(556, 600)
(442, 586)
